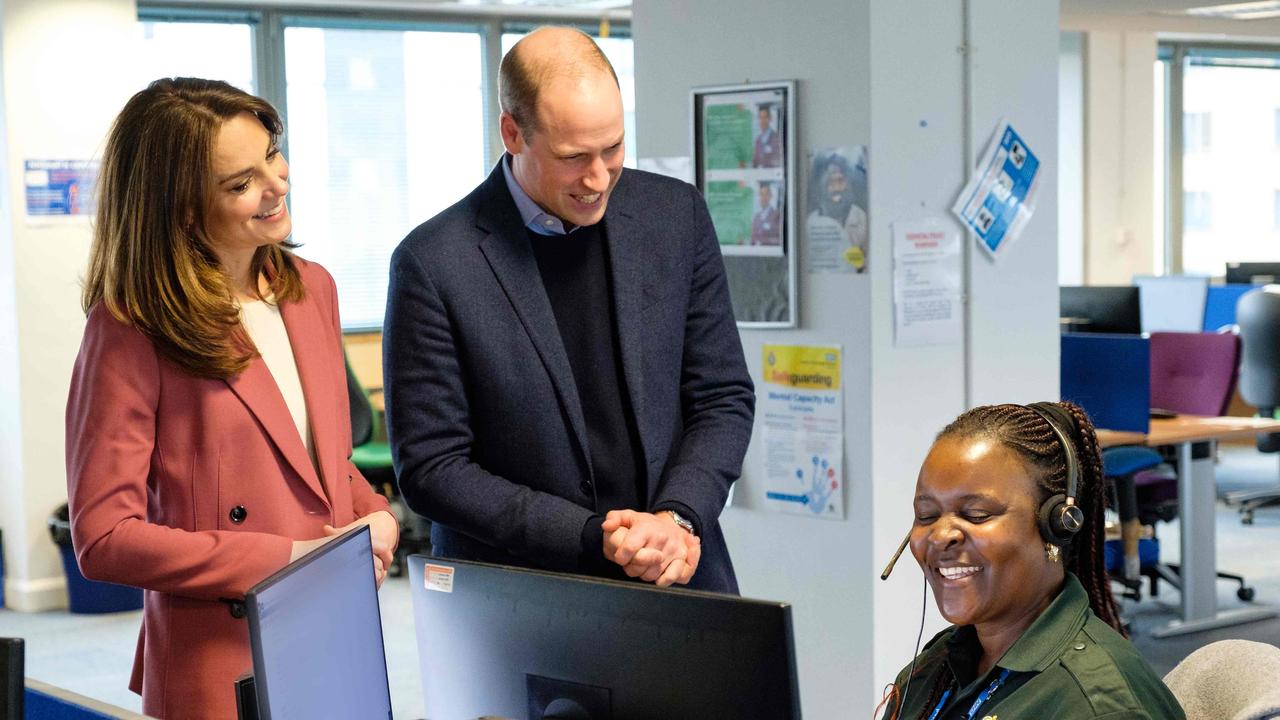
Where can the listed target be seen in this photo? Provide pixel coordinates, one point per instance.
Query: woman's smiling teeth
(955, 573)
(271, 213)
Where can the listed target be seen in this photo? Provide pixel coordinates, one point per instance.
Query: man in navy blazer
(566, 387)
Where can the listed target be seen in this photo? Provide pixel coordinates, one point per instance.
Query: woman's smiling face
(976, 535)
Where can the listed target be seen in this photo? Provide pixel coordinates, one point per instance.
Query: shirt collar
(535, 219)
(1045, 639)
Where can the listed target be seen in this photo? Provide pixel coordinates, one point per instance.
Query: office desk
(1196, 501)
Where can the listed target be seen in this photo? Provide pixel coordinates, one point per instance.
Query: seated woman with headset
(1009, 533)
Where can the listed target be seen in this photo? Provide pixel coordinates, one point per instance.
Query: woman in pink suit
(208, 433)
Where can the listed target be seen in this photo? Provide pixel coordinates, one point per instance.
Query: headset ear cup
(1059, 522)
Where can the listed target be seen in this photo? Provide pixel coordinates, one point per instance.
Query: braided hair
(1029, 435)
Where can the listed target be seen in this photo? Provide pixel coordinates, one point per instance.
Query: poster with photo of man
(836, 222)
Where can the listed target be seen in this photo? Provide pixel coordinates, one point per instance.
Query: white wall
(888, 75)
(1120, 230)
(1071, 159)
(67, 70)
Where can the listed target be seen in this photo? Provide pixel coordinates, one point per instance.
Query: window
(1196, 131)
(386, 115)
(218, 47)
(1226, 181)
(1198, 211)
(386, 129)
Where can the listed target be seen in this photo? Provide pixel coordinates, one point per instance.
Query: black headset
(1059, 517)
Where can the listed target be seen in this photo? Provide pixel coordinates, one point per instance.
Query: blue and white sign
(59, 188)
(1001, 195)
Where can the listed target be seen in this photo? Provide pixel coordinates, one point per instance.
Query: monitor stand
(551, 699)
(246, 697)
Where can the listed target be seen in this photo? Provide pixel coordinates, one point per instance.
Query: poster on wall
(1000, 197)
(927, 307)
(59, 189)
(742, 159)
(802, 404)
(836, 217)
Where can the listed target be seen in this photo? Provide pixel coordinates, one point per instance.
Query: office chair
(1194, 374)
(1229, 679)
(372, 457)
(1258, 315)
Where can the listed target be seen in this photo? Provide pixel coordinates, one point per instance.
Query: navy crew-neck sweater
(575, 273)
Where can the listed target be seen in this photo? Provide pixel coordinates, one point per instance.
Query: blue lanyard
(983, 697)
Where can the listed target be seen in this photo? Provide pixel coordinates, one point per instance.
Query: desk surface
(1190, 428)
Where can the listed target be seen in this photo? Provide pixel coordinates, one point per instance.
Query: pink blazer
(194, 490)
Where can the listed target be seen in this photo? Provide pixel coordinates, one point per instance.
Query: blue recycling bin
(88, 596)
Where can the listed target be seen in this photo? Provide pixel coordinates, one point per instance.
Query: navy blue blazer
(483, 414)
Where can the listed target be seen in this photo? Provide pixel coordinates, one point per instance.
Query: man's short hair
(520, 81)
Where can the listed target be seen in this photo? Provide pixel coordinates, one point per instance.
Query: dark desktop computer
(506, 642)
(1101, 308)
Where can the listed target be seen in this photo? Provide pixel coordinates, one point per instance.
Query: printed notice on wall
(59, 189)
(803, 409)
(1001, 194)
(926, 283)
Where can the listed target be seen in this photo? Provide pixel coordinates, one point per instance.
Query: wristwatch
(680, 520)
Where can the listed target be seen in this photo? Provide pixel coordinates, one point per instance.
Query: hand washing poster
(802, 405)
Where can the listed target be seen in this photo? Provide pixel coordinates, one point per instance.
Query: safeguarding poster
(803, 410)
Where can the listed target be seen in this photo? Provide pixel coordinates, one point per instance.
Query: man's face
(837, 183)
(571, 163)
(763, 116)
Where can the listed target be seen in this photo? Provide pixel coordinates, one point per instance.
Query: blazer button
(585, 487)
(238, 514)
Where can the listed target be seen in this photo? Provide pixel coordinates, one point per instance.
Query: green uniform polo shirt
(1068, 665)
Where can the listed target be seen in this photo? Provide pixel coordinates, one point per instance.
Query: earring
(1053, 552)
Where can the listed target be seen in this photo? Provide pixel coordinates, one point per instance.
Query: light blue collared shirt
(534, 217)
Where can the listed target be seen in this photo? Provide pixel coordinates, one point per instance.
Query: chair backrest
(1193, 373)
(361, 410)
(1228, 679)
(1258, 315)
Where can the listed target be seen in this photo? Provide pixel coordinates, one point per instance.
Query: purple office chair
(1193, 374)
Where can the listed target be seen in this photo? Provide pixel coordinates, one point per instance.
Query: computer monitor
(1104, 308)
(1253, 273)
(517, 643)
(316, 634)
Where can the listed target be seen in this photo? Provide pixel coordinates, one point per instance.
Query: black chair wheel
(1246, 517)
(1245, 594)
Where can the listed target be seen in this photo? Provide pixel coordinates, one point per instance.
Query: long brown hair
(151, 264)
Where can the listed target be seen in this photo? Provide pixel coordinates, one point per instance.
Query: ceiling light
(1257, 10)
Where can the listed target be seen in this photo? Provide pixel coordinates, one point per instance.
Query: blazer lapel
(627, 274)
(319, 386)
(509, 254)
(257, 389)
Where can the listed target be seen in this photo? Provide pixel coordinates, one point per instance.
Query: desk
(1196, 501)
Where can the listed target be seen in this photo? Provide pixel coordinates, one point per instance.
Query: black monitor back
(1107, 308)
(508, 642)
(1253, 273)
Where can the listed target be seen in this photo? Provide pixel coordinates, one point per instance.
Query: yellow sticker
(855, 257)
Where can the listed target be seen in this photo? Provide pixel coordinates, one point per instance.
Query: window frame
(1177, 56)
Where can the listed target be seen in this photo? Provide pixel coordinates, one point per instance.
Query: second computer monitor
(1102, 308)
(514, 643)
(1253, 273)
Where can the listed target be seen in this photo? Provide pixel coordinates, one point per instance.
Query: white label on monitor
(438, 578)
